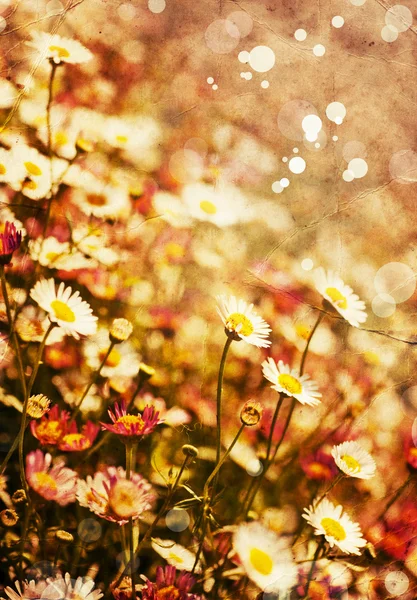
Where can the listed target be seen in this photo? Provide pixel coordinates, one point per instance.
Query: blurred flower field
(207, 311)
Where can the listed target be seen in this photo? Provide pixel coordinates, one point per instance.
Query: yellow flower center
(175, 557)
(113, 359)
(319, 469)
(30, 185)
(77, 440)
(62, 311)
(52, 255)
(174, 250)
(208, 207)
(333, 529)
(96, 199)
(49, 429)
(130, 420)
(303, 331)
(240, 324)
(2, 169)
(121, 139)
(352, 463)
(33, 169)
(123, 498)
(61, 138)
(61, 52)
(290, 383)
(168, 593)
(45, 482)
(261, 561)
(336, 297)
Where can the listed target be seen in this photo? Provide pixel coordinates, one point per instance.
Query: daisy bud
(251, 413)
(19, 497)
(189, 450)
(10, 241)
(370, 550)
(146, 371)
(64, 537)
(38, 405)
(83, 146)
(9, 517)
(120, 330)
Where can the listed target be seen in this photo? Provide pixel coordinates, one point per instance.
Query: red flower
(74, 441)
(10, 241)
(52, 427)
(169, 587)
(135, 426)
(319, 466)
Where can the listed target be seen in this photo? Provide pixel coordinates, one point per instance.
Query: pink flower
(10, 241)
(57, 483)
(113, 497)
(132, 425)
(51, 428)
(169, 587)
(73, 441)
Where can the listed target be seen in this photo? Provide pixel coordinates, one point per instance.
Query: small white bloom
(266, 557)
(241, 320)
(222, 207)
(59, 49)
(104, 202)
(65, 308)
(290, 382)
(340, 296)
(123, 359)
(175, 554)
(329, 520)
(353, 460)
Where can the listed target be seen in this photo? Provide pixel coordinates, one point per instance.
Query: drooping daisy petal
(338, 529)
(242, 322)
(290, 382)
(65, 308)
(58, 48)
(353, 460)
(175, 554)
(340, 296)
(266, 557)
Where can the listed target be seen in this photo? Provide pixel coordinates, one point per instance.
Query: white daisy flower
(92, 242)
(353, 460)
(37, 171)
(104, 202)
(266, 558)
(171, 209)
(241, 321)
(222, 207)
(122, 360)
(328, 520)
(58, 255)
(340, 296)
(11, 172)
(175, 554)
(290, 382)
(65, 309)
(8, 93)
(59, 49)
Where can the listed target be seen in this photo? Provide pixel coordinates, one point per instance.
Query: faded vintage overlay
(208, 287)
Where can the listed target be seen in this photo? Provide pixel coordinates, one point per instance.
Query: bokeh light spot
(262, 59)
(383, 305)
(396, 583)
(396, 279)
(403, 166)
(300, 35)
(177, 519)
(222, 36)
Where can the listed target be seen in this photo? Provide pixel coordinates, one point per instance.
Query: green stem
(329, 489)
(313, 564)
(23, 423)
(396, 495)
(130, 453)
(13, 335)
(92, 382)
(310, 337)
(219, 401)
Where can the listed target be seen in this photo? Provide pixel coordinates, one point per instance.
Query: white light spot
(242, 21)
(357, 2)
(338, 22)
(389, 33)
(396, 279)
(262, 59)
(297, 165)
(3, 24)
(248, 76)
(186, 166)
(396, 583)
(254, 467)
(295, 150)
(307, 264)
(265, 84)
(277, 187)
(319, 50)
(348, 176)
(156, 6)
(215, 87)
(222, 36)
(284, 159)
(284, 182)
(317, 145)
(336, 112)
(177, 519)
(300, 35)
(126, 12)
(335, 138)
(400, 17)
(359, 167)
(210, 80)
(383, 305)
(311, 123)
(243, 56)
